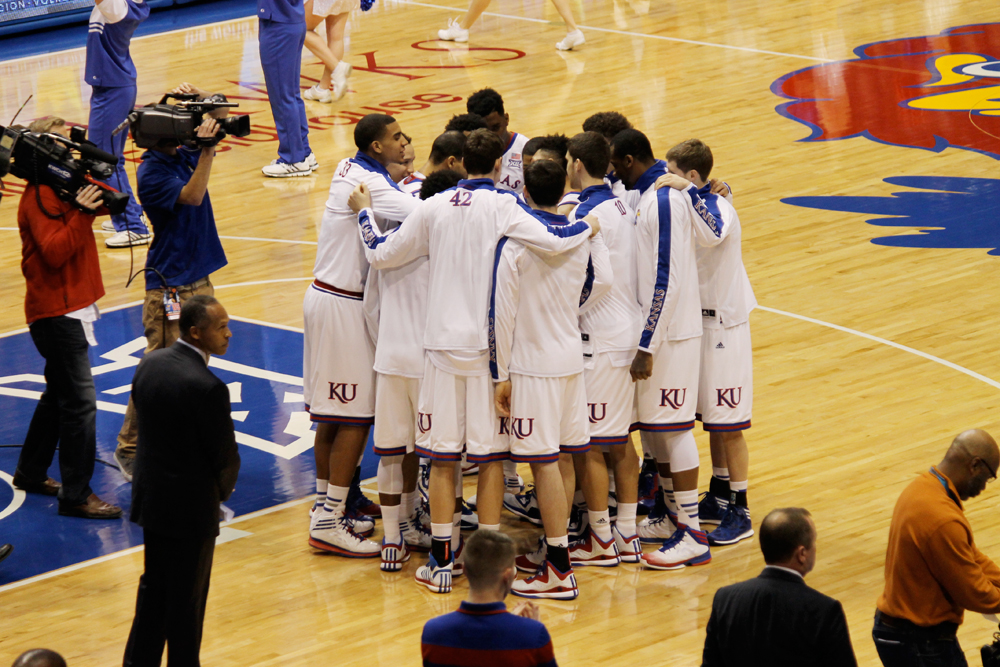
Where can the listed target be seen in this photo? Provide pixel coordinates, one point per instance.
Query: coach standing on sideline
(63, 275)
(933, 570)
(186, 463)
(280, 37)
(111, 73)
(173, 184)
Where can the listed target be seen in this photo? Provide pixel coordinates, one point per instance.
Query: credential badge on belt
(171, 304)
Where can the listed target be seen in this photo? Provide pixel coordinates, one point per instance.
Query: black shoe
(5, 550)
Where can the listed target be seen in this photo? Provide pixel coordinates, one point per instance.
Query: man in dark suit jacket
(775, 619)
(186, 464)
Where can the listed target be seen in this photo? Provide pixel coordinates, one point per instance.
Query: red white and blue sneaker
(710, 510)
(415, 535)
(422, 515)
(530, 562)
(360, 503)
(470, 520)
(424, 480)
(735, 526)
(524, 506)
(437, 578)
(592, 551)
(686, 549)
(335, 534)
(360, 524)
(649, 488)
(549, 583)
(629, 546)
(393, 556)
(579, 522)
(656, 529)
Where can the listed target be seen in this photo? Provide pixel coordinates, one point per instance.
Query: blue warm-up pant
(108, 108)
(281, 58)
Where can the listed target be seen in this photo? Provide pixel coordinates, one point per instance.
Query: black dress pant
(170, 606)
(66, 413)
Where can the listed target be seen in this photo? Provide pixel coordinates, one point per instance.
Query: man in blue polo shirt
(281, 35)
(482, 631)
(111, 74)
(173, 187)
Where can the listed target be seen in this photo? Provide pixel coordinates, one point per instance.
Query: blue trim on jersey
(662, 268)
(559, 224)
(649, 176)
(370, 164)
(477, 184)
(491, 322)
(588, 283)
(510, 144)
(706, 205)
(593, 197)
(371, 239)
(550, 219)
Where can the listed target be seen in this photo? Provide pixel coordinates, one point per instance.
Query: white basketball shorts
(338, 355)
(547, 416)
(396, 405)
(610, 395)
(666, 401)
(725, 393)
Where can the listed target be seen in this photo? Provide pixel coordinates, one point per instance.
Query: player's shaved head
(39, 657)
(971, 462)
(787, 537)
(489, 556)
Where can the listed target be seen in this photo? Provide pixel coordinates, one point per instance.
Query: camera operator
(111, 74)
(933, 570)
(63, 275)
(172, 182)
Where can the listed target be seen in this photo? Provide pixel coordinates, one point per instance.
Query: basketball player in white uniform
(456, 396)
(339, 383)
(666, 367)
(446, 153)
(609, 329)
(725, 394)
(488, 104)
(539, 368)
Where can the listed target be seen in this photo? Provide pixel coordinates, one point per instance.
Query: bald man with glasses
(933, 570)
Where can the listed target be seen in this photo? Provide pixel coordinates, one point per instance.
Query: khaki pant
(160, 332)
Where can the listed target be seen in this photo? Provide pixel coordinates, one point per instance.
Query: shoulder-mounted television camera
(177, 124)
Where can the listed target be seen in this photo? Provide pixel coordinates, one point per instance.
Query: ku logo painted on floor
(262, 368)
(927, 92)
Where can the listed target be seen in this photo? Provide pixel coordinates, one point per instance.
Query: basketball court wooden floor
(869, 356)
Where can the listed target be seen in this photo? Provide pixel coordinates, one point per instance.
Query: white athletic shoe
(629, 547)
(471, 502)
(107, 226)
(514, 484)
(571, 40)
(335, 534)
(339, 79)
(530, 562)
(656, 530)
(435, 577)
(317, 94)
(453, 33)
(125, 238)
(592, 551)
(393, 556)
(422, 516)
(690, 549)
(312, 161)
(287, 169)
(470, 468)
(548, 582)
(416, 536)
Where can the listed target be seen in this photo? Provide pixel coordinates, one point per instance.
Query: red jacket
(58, 256)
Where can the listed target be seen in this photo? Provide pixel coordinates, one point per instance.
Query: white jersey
(667, 231)
(458, 230)
(613, 322)
(618, 189)
(726, 295)
(535, 306)
(396, 314)
(411, 184)
(340, 257)
(512, 164)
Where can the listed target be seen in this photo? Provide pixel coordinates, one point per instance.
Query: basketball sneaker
(424, 481)
(469, 468)
(735, 526)
(287, 169)
(362, 524)
(656, 529)
(649, 488)
(571, 41)
(688, 548)
(422, 515)
(530, 562)
(471, 502)
(592, 551)
(612, 506)
(312, 161)
(549, 583)
(437, 578)
(629, 547)
(335, 534)
(710, 510)
(393, 556)
(317, 94)
(453, 33)
(470, 520)
(339, 79)
(358, 501)
(524, 506)
(579, 521)
(514, 484)
(458, 560)
(416, 536)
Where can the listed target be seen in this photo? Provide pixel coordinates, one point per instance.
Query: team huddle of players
(519, 301)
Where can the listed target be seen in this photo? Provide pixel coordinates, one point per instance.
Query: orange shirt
(933, 570)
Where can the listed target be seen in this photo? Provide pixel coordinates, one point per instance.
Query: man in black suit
(186, 464)
(775, 619)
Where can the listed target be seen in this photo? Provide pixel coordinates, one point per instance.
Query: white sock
(390, 523)
(510, 472)
(408, 505)
(738, 486)
(456, 531)
(687, 505)
(600, 523)
(721, 473)
(321, 485)
(626, 519)
(668, 493)
(611, 481)
(336, 499)
(489, 526)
